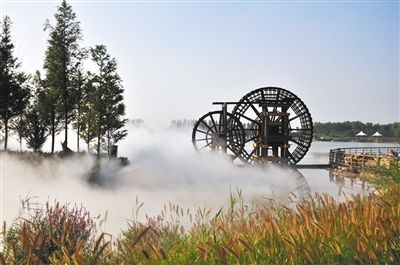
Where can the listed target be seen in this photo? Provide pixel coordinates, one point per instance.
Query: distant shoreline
(385, 140)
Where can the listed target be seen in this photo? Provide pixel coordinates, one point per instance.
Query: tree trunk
(98, 146)
(99, 121)
(53, 136)
(20, 133)
(98, 140)
(66, 131)
(108, 142)
(5, 134)
(87, 139)
(53, 129)
(64, 87)
(65, 117)
(98, 135)
(77, 137)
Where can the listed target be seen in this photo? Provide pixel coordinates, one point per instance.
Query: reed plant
(42, 234)
(363, 229)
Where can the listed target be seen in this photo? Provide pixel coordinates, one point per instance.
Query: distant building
(361, 134)
(377, 137)
(377, 134)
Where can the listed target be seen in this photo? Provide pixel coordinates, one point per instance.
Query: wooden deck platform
(312, 166)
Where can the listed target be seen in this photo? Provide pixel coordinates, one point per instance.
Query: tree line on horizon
(322, 130)
(35, 107)
(347, 130)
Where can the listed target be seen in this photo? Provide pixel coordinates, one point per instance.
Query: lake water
(319, 180)
(319, 151)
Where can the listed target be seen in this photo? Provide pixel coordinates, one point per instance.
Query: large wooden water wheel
(269, 124)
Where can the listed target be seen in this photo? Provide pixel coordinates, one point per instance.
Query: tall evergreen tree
(79, 81)
(35, 131)
(61, 56)
(14, 92)
(36, 124)
(108, 99)
(88, 114)
(18, 127)
(47, 107)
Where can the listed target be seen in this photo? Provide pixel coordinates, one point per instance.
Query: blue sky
(175, 58)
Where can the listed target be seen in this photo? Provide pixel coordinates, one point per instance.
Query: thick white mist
(164, 168)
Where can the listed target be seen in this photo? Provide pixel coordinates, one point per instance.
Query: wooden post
(363, 161)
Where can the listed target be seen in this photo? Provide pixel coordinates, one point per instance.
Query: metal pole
(285, 124)
(264, 135)
(225, 125)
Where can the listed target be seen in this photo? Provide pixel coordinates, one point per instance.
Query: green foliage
(106, 95)
(33, 125)
(17, 126)
(93, 102)
(385, 176)
(46, 104)
(347, 130)
(35, 131)
(62, 55)
(14, 92)
(92, 117)
(88, 123)
(79, 82)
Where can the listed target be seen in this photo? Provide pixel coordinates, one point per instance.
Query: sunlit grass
(319, 230)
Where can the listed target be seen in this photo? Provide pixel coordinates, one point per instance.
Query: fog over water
(164, 168)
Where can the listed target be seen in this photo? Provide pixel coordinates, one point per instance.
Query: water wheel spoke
(250, 119)
(235, 142)
(207, 125)
(254, 109)
(251, 139)
(292, 157)
(219, 139)
(252, 152)
(298, 116)
(297, 142)
(213, 122)
(201, 131)
(230, 148)
(207, 145)
(221, 120)
(230, 127)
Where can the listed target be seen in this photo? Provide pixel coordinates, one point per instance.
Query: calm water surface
(319, 180)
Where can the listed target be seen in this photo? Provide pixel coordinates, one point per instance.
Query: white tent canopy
(361, 133)
(377, 134)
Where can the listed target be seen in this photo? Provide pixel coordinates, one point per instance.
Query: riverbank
(386, 140)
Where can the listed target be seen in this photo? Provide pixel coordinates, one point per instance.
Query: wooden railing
(358, 158)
